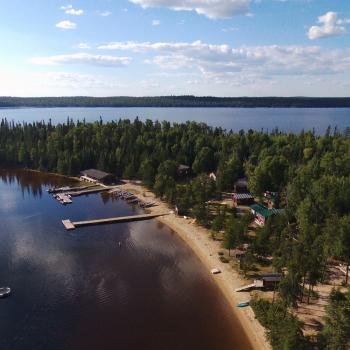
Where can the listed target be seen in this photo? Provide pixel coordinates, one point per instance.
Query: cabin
(262, 213)
(241, 185)
(243, 198)
(270, 279)
(183, 170)
(98, 176)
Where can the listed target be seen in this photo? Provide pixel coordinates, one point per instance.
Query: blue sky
(162, 47)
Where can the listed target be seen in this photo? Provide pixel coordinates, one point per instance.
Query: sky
(175, 47)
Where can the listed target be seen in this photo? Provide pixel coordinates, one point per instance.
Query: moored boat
(243, 304)
(5, 291)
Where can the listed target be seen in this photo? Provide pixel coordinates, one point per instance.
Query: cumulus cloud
(262, 60)
(214, 9)
(70, 10)
(82, 58)
(66, 25)
(330, 25)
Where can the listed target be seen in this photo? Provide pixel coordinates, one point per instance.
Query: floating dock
(69, 225)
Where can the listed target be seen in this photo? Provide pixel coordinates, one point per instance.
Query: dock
(69, 225)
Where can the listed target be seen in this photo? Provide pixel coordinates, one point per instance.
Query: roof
(96, 174)
(247, 195)
(183, 167)
(242, 182)
(265, 212)
(272, 277)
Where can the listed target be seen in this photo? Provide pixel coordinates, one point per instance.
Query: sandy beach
(198, 238)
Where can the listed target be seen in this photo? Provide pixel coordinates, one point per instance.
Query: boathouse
(243, 198)
(94, 175)
(261, 213)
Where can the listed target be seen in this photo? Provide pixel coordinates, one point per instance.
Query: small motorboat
(215, 271)
(5, 291)
(243, 304)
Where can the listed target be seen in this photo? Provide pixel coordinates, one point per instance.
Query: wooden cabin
(270, 279)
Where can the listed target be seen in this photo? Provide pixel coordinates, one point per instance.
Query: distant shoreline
(174, 102)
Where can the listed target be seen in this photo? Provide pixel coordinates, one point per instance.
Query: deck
(69, 225)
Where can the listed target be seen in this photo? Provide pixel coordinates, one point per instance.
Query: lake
(285, 119)
(80, 290)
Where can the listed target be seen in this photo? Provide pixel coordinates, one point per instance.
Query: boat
(215, 271)
(4, 292)
(243, 304)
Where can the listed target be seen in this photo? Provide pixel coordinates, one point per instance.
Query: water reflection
(31, 182)
(80, 290)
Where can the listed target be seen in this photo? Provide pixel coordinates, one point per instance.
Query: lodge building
(94, 176)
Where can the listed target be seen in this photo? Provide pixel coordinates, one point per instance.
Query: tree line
(310, 172)
(176, 101)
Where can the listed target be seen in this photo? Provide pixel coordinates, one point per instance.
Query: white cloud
(229, 29)
(155, 22)
(69, 10)
(330, 25)
(66, 25)
(82, 58)
(213, 9)
(83, 46)
(105, 13)
(262, 60)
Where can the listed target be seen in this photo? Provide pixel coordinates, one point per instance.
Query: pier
(69, 225)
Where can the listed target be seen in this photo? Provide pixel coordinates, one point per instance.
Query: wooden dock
(69, 225)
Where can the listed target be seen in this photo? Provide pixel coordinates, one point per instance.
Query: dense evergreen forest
(176, 101)
(310, 172)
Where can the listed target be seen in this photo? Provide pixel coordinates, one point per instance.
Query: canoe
(244, 304)
(4, 292)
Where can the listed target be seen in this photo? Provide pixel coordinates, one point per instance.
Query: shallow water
(79, 290)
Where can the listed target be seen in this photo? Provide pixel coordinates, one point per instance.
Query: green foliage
(310, 172)
(283, 329)
(336, 333)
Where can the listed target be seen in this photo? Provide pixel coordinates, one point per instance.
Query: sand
(199, 240)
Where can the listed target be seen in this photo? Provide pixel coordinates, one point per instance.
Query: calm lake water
(285, 119)
(80, 290)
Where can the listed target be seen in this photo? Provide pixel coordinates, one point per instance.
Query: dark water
(79, 290)
(285, 119)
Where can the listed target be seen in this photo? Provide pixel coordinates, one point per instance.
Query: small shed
(262, 213)
(94, 175)
(241, 185)
(243, 198)
(183, 170)
(271, 279)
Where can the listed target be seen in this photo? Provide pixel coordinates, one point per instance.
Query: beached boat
(5, 291)
(215, 271)
(243, 304)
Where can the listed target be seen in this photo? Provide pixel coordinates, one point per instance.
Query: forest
(310, 172)
(176, 101)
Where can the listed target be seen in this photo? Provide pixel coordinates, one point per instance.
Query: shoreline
(206, 249)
